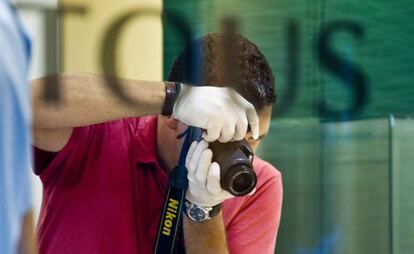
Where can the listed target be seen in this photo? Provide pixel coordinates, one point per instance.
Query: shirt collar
(146, 138)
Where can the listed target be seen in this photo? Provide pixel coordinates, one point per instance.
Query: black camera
(235, 159)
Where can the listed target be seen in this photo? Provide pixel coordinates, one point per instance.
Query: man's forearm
(27, 239)
(205, 237)
(87, 99)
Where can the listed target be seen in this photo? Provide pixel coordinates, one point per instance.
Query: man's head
(248, 72)
(251, 75)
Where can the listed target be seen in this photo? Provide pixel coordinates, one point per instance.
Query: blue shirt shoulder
(15, 155)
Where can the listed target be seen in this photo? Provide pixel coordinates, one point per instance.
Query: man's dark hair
(218, 59)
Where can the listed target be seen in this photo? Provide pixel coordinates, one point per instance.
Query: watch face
(196, 213)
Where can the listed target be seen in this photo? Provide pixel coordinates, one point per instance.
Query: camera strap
(171, 218)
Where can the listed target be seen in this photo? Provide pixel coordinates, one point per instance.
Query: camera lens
(242, 182)
(236, 170)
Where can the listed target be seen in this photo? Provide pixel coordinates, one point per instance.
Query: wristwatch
(172, 90)
(201, 213)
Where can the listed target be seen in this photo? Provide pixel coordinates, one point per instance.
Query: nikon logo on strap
(170, 224)
(170, 216)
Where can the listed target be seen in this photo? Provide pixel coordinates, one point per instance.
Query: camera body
(235, 159)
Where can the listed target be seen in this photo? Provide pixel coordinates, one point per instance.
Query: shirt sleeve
(86, 141)
(254, 228)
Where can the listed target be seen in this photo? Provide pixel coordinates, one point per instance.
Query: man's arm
(254, 227)
(27, 238)
(87, 100)
(204, 190)
(205, 237)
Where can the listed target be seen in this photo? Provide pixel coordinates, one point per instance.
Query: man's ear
(172, 123)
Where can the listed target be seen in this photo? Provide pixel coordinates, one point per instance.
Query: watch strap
(172, 90)
(215, 210)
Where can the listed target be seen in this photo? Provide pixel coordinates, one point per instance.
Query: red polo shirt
(104, 191)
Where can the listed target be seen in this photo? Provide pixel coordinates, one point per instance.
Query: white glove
(222, 112)
(203, 177)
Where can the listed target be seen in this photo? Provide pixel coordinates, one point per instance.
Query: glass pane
(356, 187)
(403, 187)
(294, 148)
(336, 185)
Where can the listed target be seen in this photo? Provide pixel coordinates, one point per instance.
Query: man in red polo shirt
(104, 165)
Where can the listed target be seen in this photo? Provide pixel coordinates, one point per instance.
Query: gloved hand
(222, 112)
(204, 177)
